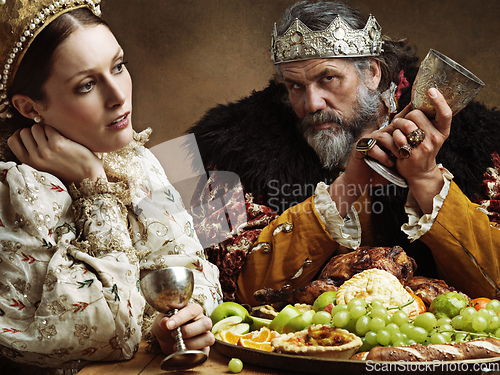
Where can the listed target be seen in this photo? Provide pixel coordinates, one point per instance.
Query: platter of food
(364, 316)
(315, 365)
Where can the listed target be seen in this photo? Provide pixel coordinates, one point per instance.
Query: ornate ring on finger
(416, 137)
(364, 145)
(405, 151)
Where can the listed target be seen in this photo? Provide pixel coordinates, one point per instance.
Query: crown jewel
(339, 39)
(20, 22)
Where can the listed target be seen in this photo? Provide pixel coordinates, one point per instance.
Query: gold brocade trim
(84, 207)
(101, 186)
(123, 165)
(95, 250)
(123, 172)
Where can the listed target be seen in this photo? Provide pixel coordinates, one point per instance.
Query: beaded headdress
(20, 22)
(339, 39)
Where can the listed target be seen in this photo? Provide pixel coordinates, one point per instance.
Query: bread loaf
(474, 349)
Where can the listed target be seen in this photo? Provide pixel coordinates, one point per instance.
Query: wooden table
(145, 363)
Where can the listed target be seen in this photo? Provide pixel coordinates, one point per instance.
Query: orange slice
(266, 346)
(263, 335)
(248, 335)
(229, 336)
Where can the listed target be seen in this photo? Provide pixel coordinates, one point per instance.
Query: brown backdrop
(186, 56)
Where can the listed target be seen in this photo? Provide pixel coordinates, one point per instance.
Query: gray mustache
(318, 118)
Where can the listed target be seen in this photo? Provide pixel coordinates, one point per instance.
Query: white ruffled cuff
(346, 231)
(419, 224)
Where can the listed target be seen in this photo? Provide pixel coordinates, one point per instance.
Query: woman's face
(89, 91)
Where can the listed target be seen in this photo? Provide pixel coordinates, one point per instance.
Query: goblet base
(183, 360)
(386, 172)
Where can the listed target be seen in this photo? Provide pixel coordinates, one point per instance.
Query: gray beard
(333, 146)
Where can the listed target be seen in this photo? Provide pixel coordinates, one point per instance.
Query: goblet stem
(179, 342)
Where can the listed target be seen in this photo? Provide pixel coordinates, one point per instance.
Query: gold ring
(365, 144)
(416, 137)
(405, 151)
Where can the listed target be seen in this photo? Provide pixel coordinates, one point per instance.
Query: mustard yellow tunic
(296, 245)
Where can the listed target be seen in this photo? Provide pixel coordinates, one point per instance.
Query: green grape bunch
(372, 322)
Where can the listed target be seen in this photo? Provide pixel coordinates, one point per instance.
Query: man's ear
(25, 105)
(373, 80)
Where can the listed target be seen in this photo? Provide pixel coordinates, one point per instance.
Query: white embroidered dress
(70, 261)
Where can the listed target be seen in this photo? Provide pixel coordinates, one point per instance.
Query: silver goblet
(167, 290)
(457, 84)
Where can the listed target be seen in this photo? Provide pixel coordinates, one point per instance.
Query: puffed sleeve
(69, 289)
(164, 234)
(464, 243)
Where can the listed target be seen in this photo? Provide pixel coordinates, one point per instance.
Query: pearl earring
(37, 119)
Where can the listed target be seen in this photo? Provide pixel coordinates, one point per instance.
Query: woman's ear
(25, 105)
(376, 75)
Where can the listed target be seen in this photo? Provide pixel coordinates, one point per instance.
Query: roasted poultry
(306, 294)
(428, 289)
(391, 259)
(341, 268)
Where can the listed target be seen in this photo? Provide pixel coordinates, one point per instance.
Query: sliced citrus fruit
(248, 335)
(266, 346)
(263, 335)
(229, 336)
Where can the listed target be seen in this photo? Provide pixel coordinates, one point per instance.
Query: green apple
(283, 316)
(324, 299)
(239, 329)
(226, 323)
(257, 323)
(227, 309)
(299, 322)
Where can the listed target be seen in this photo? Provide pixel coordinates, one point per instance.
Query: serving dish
(323, 366)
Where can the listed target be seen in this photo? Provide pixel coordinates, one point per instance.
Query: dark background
(186, 56)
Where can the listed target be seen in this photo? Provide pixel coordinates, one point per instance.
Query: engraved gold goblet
(457, 84)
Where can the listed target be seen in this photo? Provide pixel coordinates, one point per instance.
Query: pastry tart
(319, 341)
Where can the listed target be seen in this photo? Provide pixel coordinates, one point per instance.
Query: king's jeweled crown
(20, 22)
(339, 39)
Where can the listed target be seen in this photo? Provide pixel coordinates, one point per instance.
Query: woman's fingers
(16, 145)
(200, 341)
(190, 312)
(196, 327)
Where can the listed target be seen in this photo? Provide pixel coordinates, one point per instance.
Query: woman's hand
(195, 328)
(45, 149)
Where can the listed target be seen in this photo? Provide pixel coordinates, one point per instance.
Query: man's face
(321, 84)
(334, 104)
